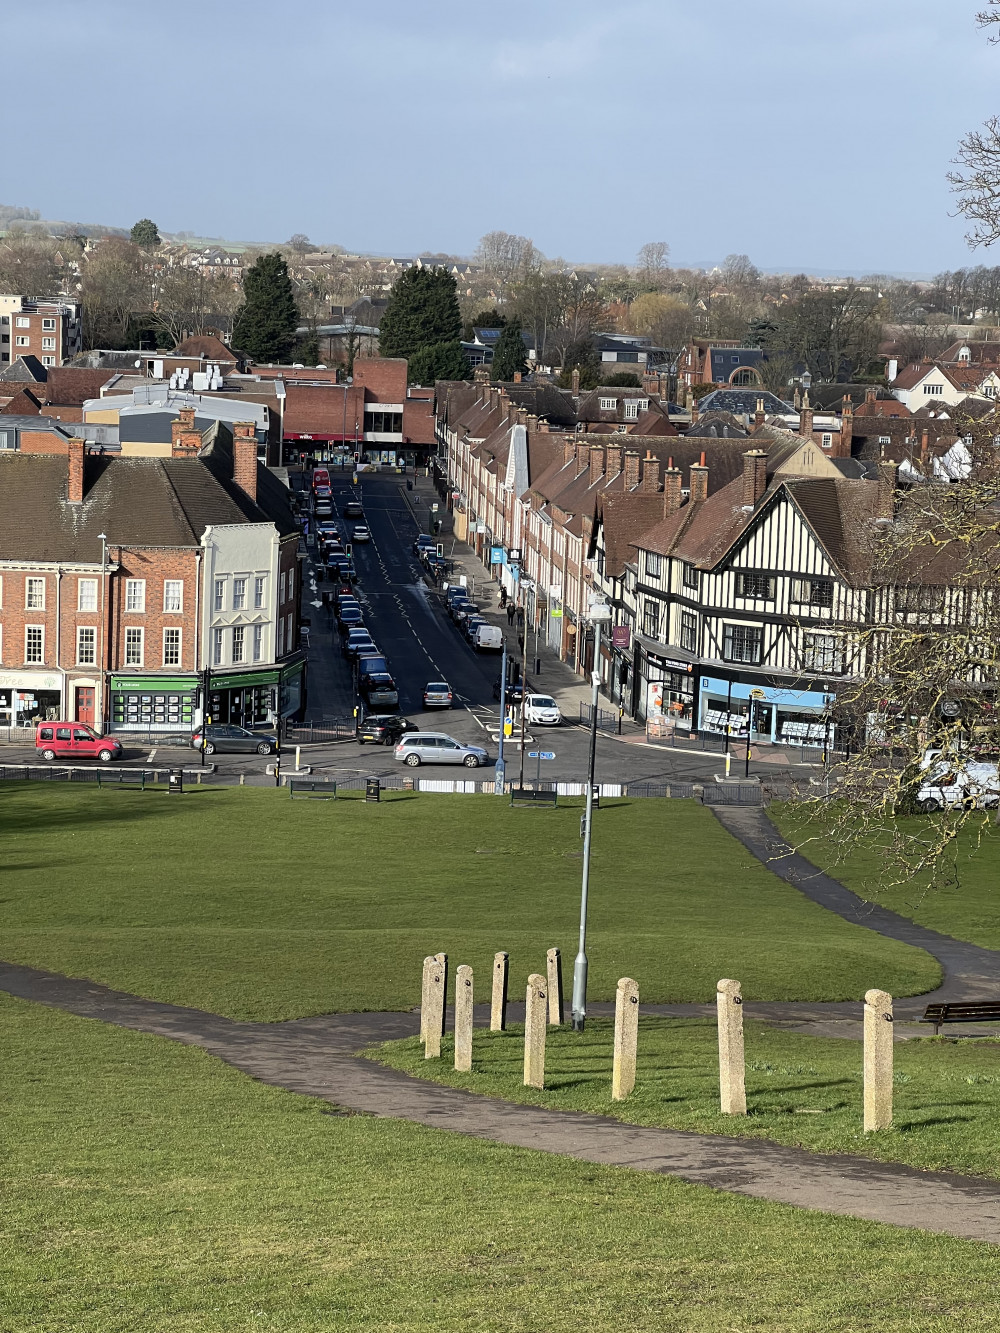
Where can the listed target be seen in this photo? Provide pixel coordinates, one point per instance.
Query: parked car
(364, 643)
(361, 533)
(328, 529)
(973, 786)
(471, 623)
(425, 542)
(434, 747)
(487, 636)
(233, 740)
(349, 616)
(379, 690)
(321, 477)
(543, 709)
(75, 740)
(354, 509)
(382, 729)
(437, 694)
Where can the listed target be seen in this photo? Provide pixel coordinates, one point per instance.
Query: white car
(361, 533)
(542, 709)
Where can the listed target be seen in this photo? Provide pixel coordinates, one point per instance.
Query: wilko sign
(621, 636)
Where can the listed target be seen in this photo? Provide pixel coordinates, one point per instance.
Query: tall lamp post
(600, 614)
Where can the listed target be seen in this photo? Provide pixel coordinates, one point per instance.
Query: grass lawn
(243, 902)
(944, 1099)
(962, 900)
(148, 1187)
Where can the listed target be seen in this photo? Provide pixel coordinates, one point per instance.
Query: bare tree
(300, 243)
(118, 282)
(189, 302)
(28, 264)
(653, 261)
(977, 182)
(507, 259)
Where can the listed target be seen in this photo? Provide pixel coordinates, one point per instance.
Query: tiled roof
(624, 518)
(24, 370)
(743, 402)
(18, 400)
(206, 345)
(71, 386)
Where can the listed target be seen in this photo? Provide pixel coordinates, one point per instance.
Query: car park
(434, 747)
(361, 533)
(233, 740)
(75, 740)
(437, 694)
(542, 709)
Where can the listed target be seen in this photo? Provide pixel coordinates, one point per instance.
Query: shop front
(27, 697)
(164, 704)
(256, 699)
(765, 712)
(664, 687)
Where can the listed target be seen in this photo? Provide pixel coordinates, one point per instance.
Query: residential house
(52, 331)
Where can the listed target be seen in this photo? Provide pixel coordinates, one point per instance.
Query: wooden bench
(974, 1011)
(524, 796)
(313, 789)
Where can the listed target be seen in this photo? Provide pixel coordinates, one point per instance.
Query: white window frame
(31, 591)
(176, 587)
(135, 597)
(654, 564)
(135, 635)
(934, 390)
(172, 635)
(257, 648)
(826, 439)
(240, 582)
(86, 603)
(608, 404)
(219, 594)
(260, 592)
(41, 644)
(282, 593)
(49, 325)
(48, 360)
(239, 644)
(218, 647)
(22, 322)
(21, 341)
(82, 630)
(48, 344)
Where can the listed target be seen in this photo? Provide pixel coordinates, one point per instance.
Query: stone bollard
(553, 971)
(498, 1009)
(878, 1060)
(430, 962)
(626, 1038)
(535, 1015)
(437, 986)
(732, 1075)
(463, 1019)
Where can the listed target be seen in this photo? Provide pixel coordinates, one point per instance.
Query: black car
(383, 729)
(514, 692)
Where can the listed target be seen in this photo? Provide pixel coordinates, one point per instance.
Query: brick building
(49, 330)
(131, 586)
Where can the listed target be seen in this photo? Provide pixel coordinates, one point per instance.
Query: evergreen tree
(441, 361)
(508, 357)
(146, 234)
(623, 379)
(265, 323)
(582, 356)
(422, 311)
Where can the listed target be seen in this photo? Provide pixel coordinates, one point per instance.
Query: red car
(73, 740)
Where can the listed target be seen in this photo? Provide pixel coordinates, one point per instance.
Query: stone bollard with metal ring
(553, 971)
(463, 1019)
(626, 1038)
(437, 987)
(732, 1067)
(498, 1008)
(878, 1060)
(535, 1022)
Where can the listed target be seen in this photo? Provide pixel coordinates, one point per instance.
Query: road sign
(434, 508)
(541, 754)
(548, 754)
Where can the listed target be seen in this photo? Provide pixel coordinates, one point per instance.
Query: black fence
(605, 721)
(314, 733)
(732, 793)
(137, 779)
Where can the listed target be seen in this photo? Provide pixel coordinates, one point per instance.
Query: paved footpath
(318, 1057)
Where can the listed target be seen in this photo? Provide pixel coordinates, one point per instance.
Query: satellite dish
(138, 364)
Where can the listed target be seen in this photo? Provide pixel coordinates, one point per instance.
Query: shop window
(758, 586)
(171, 647)
(135, 594)
(654, 564)
(220, 594)
(86, 645)
(689, 631)
(34, 643)
(651, 619)
(742, 643)
(217, 646)
(822, 652)
(689, 576)
(239, 594)
(260, 592)
(34, 594)
(86, 594)
(133, 646)
(173, 594)
(813, 592)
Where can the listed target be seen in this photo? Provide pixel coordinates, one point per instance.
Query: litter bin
(175, 780)
(372, 789)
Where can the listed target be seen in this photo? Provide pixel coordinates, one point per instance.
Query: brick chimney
(754, 477)
(596, 464)
(672, 479)
(842, 442)
(924, 451)
(698, 484)
(582, 457)
(245, 458)
(695, 411)
(631, 470)
(650, 473)
(870, 397)
(886, 506)
(185, 438)
(569, 451)
(758, 416)
(575, 381)
(614, 456)
(74, 485)
(806, 419)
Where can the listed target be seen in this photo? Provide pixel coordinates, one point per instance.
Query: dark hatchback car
(233, 740)
(383, 729)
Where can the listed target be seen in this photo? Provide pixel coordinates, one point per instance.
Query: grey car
(234, 740)
(434, 747)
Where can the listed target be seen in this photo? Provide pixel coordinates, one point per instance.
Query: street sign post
(539, 755)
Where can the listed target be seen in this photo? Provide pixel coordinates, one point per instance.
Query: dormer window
(607, 404)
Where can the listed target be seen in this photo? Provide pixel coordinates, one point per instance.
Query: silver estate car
(434, 747)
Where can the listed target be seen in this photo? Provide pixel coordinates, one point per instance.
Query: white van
(948, 787)
(488, 636)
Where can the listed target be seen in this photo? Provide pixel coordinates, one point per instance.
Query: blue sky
(806, 136)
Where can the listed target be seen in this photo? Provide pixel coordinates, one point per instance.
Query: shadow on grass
(94, 806)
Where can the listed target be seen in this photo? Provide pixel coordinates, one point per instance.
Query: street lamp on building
(600, 614)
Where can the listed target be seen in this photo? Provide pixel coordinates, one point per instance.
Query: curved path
(316, 1056)
(970, 971)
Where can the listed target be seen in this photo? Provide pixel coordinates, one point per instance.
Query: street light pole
(580, 965)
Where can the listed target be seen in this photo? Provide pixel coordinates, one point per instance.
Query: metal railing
(606, 721)
(312, 733)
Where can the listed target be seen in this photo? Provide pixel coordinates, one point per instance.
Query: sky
(812, 139)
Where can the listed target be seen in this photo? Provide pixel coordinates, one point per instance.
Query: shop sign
(496, 555)
(29, 680)
(621, 636)
(654, 698)
(555, 613)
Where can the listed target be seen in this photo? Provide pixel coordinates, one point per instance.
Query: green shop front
(257, 697)
(158, 704)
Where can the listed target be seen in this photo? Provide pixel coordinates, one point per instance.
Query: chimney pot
(671, 490)
(596, 464)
